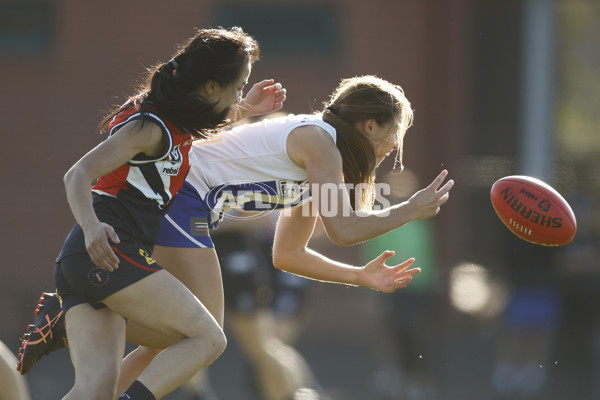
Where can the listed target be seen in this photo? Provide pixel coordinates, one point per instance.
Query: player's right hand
(98, 247)
(427, 202)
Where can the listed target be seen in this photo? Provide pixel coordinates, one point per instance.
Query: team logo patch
(292, 189)
(168, 168)
(98, 276)
(149, 260)
(198, 226)
(173, 163)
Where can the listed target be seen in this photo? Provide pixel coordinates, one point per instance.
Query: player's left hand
(381, 277)
(264, 97)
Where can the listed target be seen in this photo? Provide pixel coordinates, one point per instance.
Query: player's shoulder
(146, 136)
(311, 137)
(307, 143)
(143, 127)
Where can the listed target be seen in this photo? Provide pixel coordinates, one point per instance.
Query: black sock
(137, 391)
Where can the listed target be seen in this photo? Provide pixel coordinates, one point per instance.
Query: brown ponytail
(359, 99)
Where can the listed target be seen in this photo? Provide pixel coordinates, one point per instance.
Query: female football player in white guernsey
(270, 164)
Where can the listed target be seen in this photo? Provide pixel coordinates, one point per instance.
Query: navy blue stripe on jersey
(154, 181)
(140, 158)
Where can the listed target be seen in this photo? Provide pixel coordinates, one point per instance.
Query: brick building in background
(65, 62)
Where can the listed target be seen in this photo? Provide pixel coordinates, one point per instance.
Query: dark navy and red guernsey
(134, 197)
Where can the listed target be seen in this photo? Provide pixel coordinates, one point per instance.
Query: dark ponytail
(213, 54)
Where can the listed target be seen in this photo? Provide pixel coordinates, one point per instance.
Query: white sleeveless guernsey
(248, 167)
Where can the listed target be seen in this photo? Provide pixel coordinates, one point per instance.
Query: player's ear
(367, 126)
(211, 87)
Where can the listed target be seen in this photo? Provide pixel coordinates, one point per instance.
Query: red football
(533, 210)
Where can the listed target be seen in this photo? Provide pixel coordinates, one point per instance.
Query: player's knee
(214, 342)
(217, 342)
(206, 349)
(206, 334)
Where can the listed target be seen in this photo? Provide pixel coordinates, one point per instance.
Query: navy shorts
(186, 223)
(79, 280)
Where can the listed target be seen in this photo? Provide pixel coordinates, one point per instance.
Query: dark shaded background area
(501, 319)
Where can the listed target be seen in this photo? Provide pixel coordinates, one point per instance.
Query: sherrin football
(533, 210)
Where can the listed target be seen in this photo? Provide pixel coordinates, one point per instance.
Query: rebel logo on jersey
(173, 163)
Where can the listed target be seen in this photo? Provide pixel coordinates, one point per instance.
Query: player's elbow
(280, 259)
(341, 239)
(341, 235)
(287, 259)
(69, 176)
(74, 174)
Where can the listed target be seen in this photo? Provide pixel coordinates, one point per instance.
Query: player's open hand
(98, 247)
(427, 202)
(264, 97)
(383, 278)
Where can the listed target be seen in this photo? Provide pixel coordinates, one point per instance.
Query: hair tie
(174, 63)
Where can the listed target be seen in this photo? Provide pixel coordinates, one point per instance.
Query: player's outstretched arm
(291, 254)
(313, 149)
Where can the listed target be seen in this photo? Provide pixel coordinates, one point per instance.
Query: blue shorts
(186, 223)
